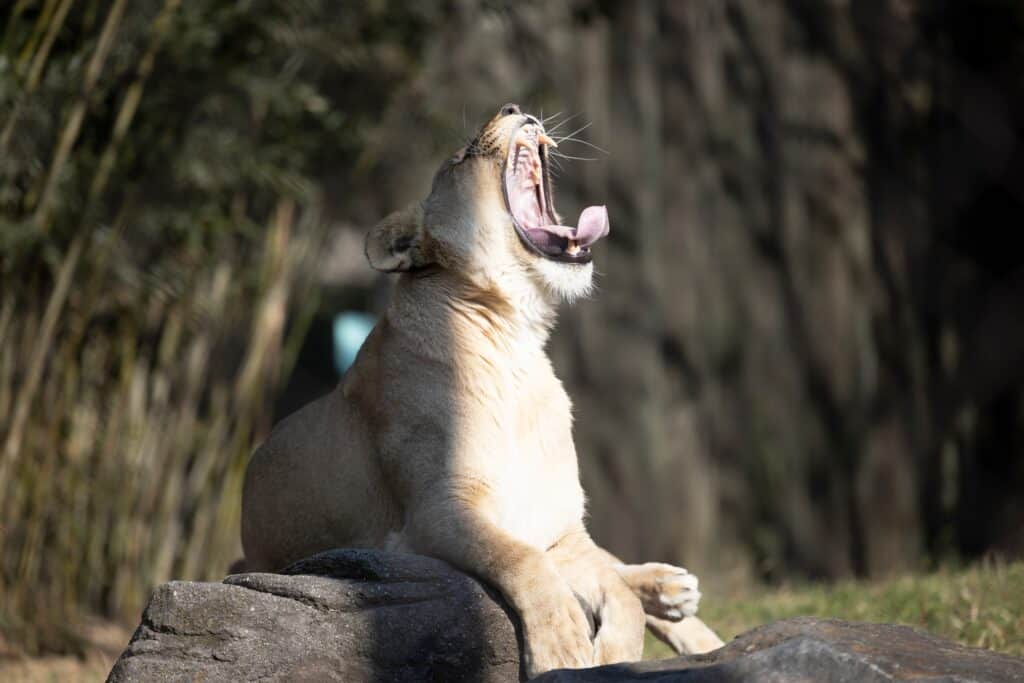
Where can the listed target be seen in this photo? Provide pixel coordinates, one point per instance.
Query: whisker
(563, 122)
(583, 142)
(544, 120)
(577, 131)
(566, 156)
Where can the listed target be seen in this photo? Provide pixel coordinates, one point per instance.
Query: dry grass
(92, 667)
(105, 640)
(979, 606)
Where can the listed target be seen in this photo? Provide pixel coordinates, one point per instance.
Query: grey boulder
(342, 615)
(810, 650)
(360, 615)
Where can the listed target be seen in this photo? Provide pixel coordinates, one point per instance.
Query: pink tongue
(592, 226)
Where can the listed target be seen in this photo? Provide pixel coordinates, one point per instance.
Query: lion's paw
(556, 634)
(666, 591)
(679, 592)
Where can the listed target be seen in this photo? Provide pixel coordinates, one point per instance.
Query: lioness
(450, 435)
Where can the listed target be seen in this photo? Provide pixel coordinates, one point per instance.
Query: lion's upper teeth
(543, 139)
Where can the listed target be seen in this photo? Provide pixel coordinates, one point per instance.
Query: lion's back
(314, 484)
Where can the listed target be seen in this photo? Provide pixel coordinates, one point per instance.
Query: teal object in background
(350, 331)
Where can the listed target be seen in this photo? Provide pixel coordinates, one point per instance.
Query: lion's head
(491, 217)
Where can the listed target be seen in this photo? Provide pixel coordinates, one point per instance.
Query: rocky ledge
(357, 615)
(807, 649)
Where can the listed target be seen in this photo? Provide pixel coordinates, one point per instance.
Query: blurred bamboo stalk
(36, 71)
(138, 358)
(125, 115)
(12, 19)
(150, 479)
(131, 100)
(42, 22)
(41, 351)
(69, 135)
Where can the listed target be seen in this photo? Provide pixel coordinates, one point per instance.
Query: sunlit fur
(566, 281)
(478, 231)
(451, 436)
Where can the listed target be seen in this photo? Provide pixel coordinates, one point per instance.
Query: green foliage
(161, 206)
(974, 606)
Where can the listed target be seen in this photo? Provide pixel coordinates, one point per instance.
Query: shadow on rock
(342, 615)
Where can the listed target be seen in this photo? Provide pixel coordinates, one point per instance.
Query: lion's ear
(396, 243)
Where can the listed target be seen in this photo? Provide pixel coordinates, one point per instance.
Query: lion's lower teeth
(573, 248)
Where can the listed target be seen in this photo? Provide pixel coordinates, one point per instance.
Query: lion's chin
(565, 282)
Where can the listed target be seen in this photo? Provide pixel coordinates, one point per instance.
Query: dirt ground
(106, 641)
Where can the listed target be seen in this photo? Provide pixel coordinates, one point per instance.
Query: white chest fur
(536, 495)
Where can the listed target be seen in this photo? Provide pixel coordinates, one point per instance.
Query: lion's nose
(510, 109)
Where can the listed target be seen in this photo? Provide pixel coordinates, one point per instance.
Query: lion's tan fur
(451, 435)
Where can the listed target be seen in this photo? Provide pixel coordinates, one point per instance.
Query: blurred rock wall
(802, 355)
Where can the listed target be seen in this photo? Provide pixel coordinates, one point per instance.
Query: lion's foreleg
(615, 608)
(556, 633)
(670, 597)
(689, 636)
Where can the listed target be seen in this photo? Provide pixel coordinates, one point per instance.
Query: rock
(343, 615)
(361, 615)
(822, 651)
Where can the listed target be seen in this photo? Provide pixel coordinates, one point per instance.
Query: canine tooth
(573, 248)
(545, 140)
(522, 140)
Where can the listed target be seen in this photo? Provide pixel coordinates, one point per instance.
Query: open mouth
(527, 184)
